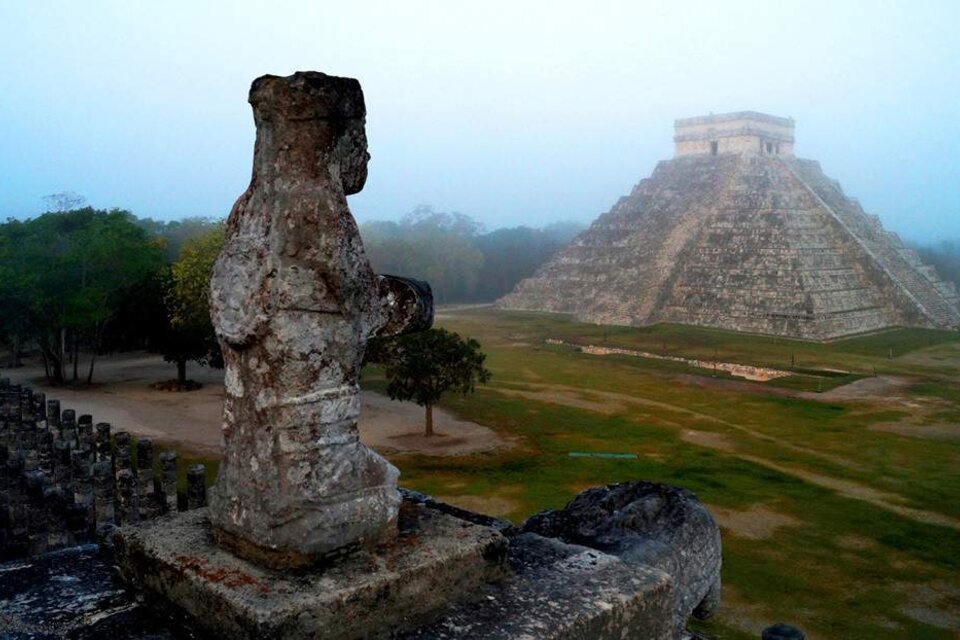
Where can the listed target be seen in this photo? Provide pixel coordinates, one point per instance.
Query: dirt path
(123, 397)
(874, 388)
(573, 397)
(847, 488)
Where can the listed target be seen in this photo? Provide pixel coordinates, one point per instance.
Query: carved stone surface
(293, 301)
(649, 525)
(561, 591)
(436, 560)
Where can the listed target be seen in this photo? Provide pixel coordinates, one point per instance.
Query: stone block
(562, 591)
(366, 593)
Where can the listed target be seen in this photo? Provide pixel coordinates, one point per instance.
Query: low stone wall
(746, 371)
(66, 481)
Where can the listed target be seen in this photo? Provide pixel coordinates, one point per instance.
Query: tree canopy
(423, 366)
(63, 276)
(191, 335)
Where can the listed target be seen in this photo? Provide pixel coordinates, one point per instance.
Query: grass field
(840, 509)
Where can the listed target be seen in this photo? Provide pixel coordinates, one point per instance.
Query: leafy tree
(423, 366)
(176, 233)
(191, 334)
(65, 274)
(64, 201)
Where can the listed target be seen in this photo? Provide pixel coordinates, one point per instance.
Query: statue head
(328, 111)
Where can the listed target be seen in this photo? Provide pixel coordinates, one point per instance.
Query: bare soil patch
(708, 439)
(389, 425)
(756, 523)
(123, 397)
(855, 543)
(945, 432)
(933, 603)
(876, 388)
(567, 399)
(728, 384)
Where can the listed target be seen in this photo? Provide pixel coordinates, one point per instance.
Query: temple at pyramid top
(735, 232)
(739, 132)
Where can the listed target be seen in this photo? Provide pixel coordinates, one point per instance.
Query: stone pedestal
(436, 559)
(560, 591)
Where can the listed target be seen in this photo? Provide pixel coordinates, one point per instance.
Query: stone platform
(561, 591)
(437, 559)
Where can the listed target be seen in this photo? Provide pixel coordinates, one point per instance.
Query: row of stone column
(65, 480)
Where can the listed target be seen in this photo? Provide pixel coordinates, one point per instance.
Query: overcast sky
(512, 112)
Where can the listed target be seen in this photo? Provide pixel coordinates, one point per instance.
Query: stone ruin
(307, 534)
(736, 233)
(66, 481)
(294, 301)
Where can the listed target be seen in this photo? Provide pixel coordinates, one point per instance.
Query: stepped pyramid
(736, 233)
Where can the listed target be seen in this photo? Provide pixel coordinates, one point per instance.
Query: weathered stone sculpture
(294, 300)
(651, 525)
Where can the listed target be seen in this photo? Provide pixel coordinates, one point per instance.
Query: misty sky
(512, 112)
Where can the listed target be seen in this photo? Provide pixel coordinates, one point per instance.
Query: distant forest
(461, 261)
(76, 282)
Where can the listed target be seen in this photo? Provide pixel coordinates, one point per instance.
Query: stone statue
(294, 301)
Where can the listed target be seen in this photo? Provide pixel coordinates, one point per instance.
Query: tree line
(81, 282)
(461, 261)
(77, 282)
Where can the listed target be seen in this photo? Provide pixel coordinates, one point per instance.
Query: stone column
(128, 504)
(28, 436)
(53, 414)
(294, 300)
(168, 479)
(148, 506)
(196, 486)
(123, 455)
(62, 465)
(40, 405)
(102, 442)
(68, 426)
(85, 432)
(83, 482)
(104, 488)
(38, 524)
(45, 461)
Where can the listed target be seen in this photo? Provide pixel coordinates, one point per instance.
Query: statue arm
(241, 293)
(404, 305)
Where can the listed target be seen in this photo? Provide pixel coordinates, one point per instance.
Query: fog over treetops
(514, 113)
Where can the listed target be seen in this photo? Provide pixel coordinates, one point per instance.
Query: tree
(64, 201)
(62, 276)
(188, 307)
(423, 366)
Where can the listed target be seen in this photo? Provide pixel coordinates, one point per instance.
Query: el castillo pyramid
(736, 233)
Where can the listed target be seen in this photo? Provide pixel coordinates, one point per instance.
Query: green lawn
(858, 552)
